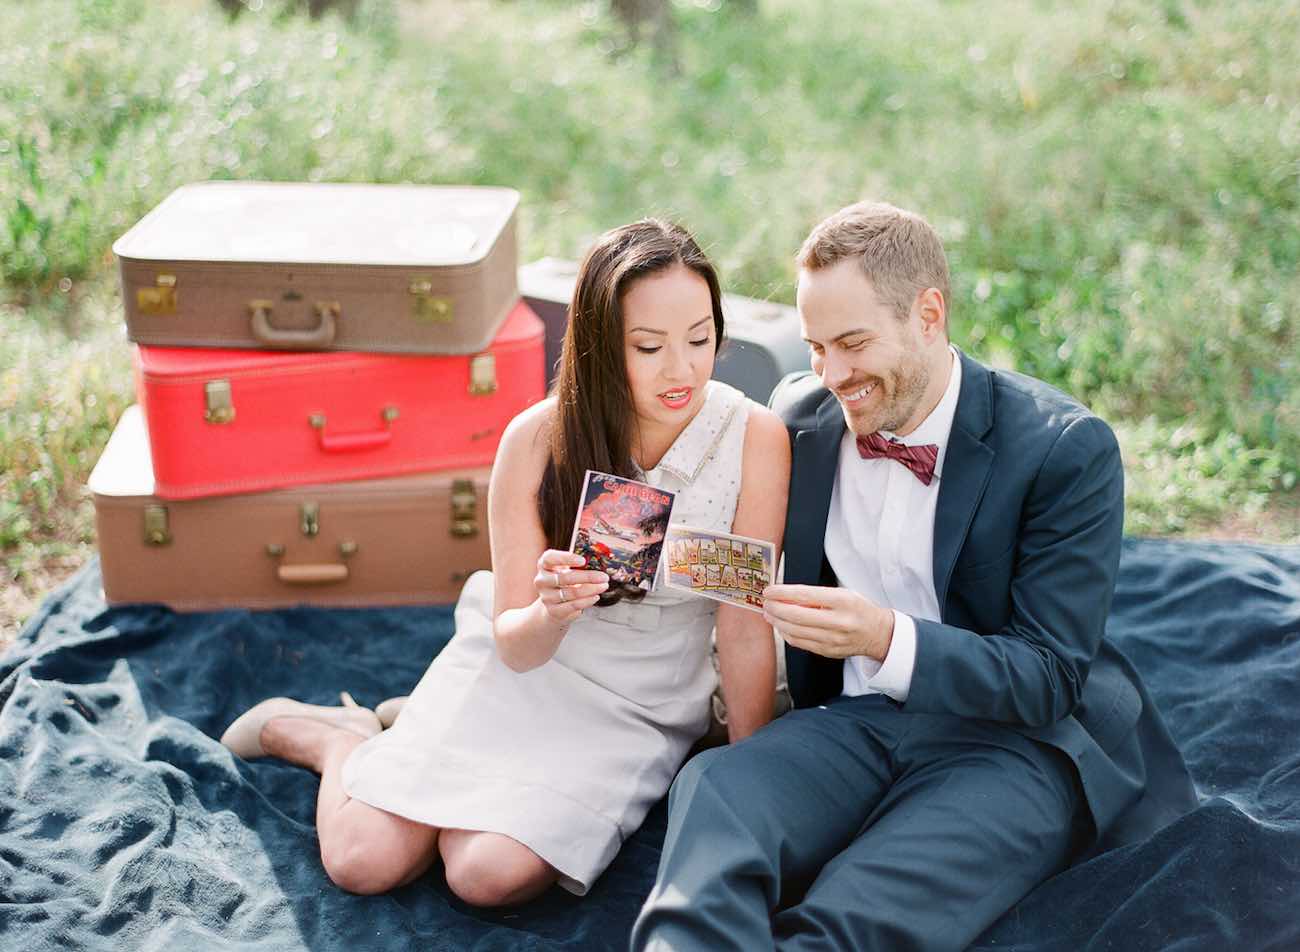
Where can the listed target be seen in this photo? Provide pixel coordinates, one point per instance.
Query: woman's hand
(564, 591)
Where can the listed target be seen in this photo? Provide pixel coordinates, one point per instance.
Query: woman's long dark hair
(594, 421)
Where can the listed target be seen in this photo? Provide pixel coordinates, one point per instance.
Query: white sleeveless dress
(567, 758)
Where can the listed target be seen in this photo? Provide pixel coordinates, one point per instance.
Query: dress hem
(522, 810)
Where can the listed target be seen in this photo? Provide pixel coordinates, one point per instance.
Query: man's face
(876, 365)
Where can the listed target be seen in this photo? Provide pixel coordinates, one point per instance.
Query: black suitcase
(763, 338)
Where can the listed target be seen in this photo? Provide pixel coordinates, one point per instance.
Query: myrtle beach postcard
(728, 568)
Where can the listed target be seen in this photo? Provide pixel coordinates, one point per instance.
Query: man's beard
(910, 380)
(910, 383)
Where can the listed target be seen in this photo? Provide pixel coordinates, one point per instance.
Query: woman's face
(668, 339)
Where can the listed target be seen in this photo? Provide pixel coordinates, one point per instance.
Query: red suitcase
(409, 539)
(237, 421)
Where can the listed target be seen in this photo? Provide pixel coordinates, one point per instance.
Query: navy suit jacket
(1027, 535)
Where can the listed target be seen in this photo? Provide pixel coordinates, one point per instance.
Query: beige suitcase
(410, 539)
(314, 266)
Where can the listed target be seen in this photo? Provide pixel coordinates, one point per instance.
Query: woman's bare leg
(490, 869)
(363, 849)
(367, 850)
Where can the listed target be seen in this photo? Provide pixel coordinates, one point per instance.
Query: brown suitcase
(411, 539)
(315, 266)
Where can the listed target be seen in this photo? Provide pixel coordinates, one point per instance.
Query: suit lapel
(967, 466)
(812, 477)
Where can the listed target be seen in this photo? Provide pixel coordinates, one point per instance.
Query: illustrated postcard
(620, 529)
(729, 568)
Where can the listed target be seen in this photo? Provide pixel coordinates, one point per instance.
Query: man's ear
(933, 311)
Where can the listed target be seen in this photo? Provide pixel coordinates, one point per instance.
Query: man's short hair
(900, 253)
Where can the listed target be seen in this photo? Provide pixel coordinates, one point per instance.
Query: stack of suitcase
(323, 376)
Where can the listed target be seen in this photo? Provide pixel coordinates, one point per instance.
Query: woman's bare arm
(530, 618)
(746, 649)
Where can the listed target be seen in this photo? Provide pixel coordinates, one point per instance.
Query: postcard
(727, 568)
(620, 529)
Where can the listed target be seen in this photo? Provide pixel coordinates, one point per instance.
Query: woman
(560, 711)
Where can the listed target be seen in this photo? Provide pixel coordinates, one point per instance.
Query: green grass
(65, 378)
(1118, 185)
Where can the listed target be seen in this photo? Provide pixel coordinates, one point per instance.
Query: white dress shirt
(880, 542)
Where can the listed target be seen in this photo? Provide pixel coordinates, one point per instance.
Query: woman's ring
(560, 589)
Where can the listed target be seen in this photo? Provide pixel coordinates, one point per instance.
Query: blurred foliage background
(1117, 183)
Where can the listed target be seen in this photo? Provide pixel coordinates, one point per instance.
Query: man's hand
(832, 622)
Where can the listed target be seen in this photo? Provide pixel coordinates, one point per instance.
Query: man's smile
(857, 396)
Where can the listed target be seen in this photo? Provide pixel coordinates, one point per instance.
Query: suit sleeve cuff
(895, 675)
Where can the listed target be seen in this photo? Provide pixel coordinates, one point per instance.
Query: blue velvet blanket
(123, 824)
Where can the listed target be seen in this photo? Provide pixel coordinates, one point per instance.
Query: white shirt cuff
(895, 675)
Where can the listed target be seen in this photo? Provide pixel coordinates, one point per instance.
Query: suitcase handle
(354, 442)
(323, 574)
(322, 335)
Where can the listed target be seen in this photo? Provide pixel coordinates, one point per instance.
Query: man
(963, 730)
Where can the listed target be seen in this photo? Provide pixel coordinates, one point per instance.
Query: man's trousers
(857, 826)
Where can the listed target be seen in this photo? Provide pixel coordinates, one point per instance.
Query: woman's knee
(373, 854)
(358, 868)
(486, 869)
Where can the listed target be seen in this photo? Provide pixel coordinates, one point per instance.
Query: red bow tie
(919, 459)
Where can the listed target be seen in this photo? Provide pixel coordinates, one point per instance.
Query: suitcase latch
(216, 397)
(464, 509)
(426, 306)
(347, 549)
(310, 513)
(482, 374)
(156, 531)
(160, 299)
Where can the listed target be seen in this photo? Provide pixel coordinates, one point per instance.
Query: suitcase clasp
(216, 397)
(310, 517)
(482, 374)
(425, 306)
(464, 509)
(156, 531)
(160, 299)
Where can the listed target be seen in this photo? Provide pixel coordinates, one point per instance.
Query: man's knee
(688, 777)
(718, 770)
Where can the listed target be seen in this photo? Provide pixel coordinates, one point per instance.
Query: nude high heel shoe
(387, 711)
(244, 736)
